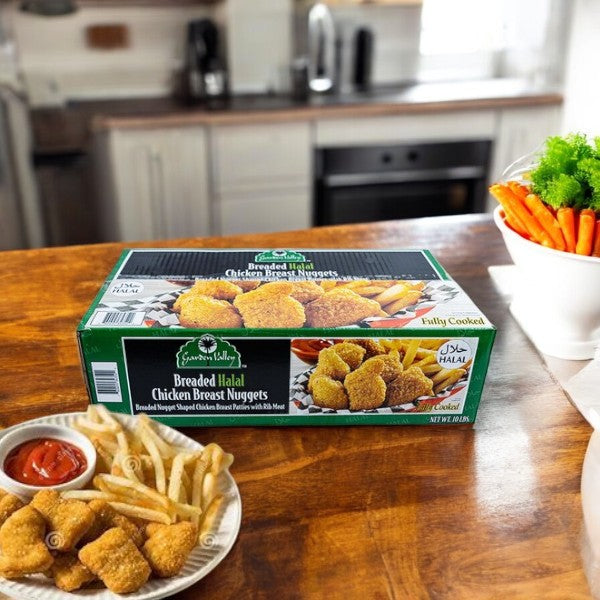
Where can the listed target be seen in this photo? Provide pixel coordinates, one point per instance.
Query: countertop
(488, 511)
(69, 128)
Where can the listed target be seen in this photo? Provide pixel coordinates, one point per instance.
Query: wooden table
(488, 511)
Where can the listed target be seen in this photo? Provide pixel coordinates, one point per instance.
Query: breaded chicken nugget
(327, 284)
(408, 386)
(116, 561)
(9, 504)
(205, 312)
(105, 518)
(392, 367)
(365, 386)
(218, 289)
(67, 520)
(340, 307)
(168, 546)
(270, 305)
(351, 354)
(373, 347)
(181, 300)
(69, 573)
(331, 363)
(329, 393)
(306, 291)
(22, 543)
(247, 285)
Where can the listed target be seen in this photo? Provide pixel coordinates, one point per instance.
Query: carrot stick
(546, 219)
(566, 219)
(531, 223)
(596, 247)
(512, 219)
(518, 189)
(585, 235)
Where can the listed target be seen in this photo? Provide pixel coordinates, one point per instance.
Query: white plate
(202, 560)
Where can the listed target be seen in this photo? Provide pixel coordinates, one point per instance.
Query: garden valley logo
(208, 352)
(280, 256)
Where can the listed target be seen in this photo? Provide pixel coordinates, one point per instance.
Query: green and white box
(213, 337)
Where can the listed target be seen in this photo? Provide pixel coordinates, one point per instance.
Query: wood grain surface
(484, 511)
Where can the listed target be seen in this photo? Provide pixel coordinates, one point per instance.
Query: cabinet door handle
(160, 194)
(157, 193)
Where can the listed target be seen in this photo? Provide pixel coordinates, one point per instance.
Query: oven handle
(417, 175)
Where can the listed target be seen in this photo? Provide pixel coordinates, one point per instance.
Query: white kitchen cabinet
(156, 183)
(262, 176)
(519, 132)
(264, 211)
(261, 156)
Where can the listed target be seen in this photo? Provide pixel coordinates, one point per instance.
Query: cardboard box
(198, 337)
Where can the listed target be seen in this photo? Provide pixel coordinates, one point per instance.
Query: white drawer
(261, 157)
(264, 212)
(454, 125)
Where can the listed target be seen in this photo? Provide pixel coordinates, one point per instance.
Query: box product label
(206, 376)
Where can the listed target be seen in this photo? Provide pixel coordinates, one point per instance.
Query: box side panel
(102, 290)
(209, 380)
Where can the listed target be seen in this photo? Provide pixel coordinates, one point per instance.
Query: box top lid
(268, 289)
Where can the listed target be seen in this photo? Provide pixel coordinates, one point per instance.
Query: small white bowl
(557, 296)
(31, 432)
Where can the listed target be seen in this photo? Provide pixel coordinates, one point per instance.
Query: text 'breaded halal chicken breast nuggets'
(219, 337)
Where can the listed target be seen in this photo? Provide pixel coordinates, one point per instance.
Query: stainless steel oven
(376, 183)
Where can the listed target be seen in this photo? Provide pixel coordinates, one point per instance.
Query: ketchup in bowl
(308, 350)
(45, 462)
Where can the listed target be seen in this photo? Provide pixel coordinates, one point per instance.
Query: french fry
(411, 353)
(210, 516)
(92, 413)
(159, 467)
(441, 375)
(370, 290)
(352, 285)
(392, 294)
(176, 475)
(423, 352)
(450, 380)
(107, 418)
(95, 427)
(201, 468)
(186, 481)
(139, 512)
(409, 298)
(186, 510)
(209, 488)
(428, 360)
(432, 344)
(110, 446)
(121, 483)
(87, 495)
(431, 369)
(166, 450)
(106, 458)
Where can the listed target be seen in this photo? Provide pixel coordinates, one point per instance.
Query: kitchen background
(115, 126)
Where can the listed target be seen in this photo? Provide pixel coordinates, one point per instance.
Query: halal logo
(282, 256)
(206, 352)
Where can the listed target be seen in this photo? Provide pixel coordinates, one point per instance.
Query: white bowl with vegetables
(549, 223)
